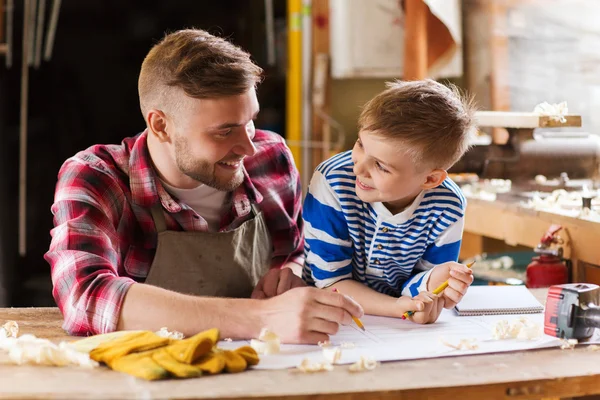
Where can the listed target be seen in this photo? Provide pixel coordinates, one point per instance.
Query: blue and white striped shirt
(347, 238)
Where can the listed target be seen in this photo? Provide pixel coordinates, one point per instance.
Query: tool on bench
(572, 311)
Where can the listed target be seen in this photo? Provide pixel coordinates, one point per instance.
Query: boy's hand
(427, 307)
(459, 279)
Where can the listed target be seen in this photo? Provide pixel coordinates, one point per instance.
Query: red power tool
(572, 311)
(548, 268)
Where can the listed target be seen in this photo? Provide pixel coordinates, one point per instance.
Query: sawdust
(267, 343)
(568, 344)
(164, 332)
(556, 111)
(9, 329)
(332, 354)
(364, 364)
(520, 328)
(326, 343)
(308, 366)
(28, 349)
(464, 344)
(593, 347)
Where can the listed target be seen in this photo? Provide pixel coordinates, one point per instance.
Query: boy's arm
(445, 248)
(375, 303)
(328, 246)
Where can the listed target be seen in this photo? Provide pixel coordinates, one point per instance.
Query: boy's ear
(435, 178)
(157, 124)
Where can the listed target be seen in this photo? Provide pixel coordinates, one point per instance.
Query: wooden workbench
(518, 375)
(517, 225)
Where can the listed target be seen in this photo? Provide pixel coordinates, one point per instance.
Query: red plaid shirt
(104, 238)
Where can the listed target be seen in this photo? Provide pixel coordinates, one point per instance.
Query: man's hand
(275, 282)
(459, 279)
(308, 315)
(427, 307)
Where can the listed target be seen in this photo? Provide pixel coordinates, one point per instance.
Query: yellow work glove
(229, 360)
(148, 356)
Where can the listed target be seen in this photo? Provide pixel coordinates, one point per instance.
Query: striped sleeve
(444, 248)
(328, 247)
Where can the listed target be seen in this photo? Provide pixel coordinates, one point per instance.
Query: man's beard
(202, 171)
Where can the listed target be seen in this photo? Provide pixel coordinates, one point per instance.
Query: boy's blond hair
(202, 65)
(434, 122)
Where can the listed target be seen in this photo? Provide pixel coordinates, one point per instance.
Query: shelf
(511, 119)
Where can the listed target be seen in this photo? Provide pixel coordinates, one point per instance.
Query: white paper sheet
(390, 339)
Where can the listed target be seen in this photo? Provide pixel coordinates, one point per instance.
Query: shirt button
(379, 247)
(384, 229)
(377, 261)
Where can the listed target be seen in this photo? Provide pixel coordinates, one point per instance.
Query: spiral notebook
(497, 300)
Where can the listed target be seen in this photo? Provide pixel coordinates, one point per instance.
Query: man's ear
(157, 124)
(434, 178)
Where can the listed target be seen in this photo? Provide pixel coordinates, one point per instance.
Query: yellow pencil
(438, 290)
(356, 320)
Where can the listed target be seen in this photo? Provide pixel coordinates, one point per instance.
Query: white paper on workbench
(391, 339)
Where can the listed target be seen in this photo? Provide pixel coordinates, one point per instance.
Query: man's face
(212, 136)
(384, 173)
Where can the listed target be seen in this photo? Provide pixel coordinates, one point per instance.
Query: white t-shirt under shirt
(207, 201)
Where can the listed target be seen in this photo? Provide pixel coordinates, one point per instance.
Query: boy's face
(384, 173)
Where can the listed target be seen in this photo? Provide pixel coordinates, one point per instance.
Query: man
(180, 224)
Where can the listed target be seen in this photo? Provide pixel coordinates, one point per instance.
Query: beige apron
(222, 264)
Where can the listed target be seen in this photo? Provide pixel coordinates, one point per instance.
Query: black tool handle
(590, 317)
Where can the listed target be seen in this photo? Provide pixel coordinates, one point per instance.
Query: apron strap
(159, 218)
(255, 209)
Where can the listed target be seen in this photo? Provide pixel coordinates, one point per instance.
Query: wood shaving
(332, 354)
(164, 332)
(540, 179)
(555, 111)
(347, 345)
(308, 366)
(364, 364)
(228, 339)
(267, 343)
(326, 343)
(464, 344)
(9, 329)
(521, 328)
(593, 347)
(28, 349)
(568, 344)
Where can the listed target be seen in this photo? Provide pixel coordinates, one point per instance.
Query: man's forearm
(149, 307)
(372, 302)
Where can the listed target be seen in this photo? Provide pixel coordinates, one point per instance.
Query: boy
(383, 222)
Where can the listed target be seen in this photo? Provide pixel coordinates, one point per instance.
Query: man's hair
(434, 122)
(202, 65)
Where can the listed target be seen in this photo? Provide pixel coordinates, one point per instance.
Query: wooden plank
(522, 375)
(3, 48)
(415, 40)
(512, 119)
